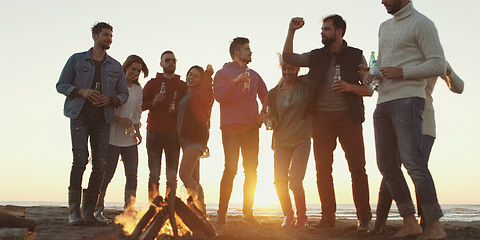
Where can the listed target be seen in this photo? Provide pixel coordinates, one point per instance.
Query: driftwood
(14, 225)
(145, 220)
(17, 233)
(10, 221)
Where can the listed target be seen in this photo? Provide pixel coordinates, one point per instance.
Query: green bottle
(372, 58)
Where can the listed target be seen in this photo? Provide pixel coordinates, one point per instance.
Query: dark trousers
(327, 127)
(247, 142)
(81, 129)
(158, 142)
(130, 165)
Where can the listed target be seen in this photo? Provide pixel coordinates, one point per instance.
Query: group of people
(104, 102)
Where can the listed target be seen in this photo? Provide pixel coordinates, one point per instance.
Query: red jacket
(159, 119)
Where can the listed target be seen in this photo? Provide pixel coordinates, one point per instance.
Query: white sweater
(454, 83)
(409, 41)
(131, 109)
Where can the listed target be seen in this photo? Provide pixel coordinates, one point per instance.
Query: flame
(182, 228)
(129, 220)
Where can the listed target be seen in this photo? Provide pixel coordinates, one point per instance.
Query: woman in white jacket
(125, 136)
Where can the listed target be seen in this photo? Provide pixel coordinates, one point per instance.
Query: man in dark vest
(337, 107)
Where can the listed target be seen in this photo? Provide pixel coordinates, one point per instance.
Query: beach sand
(52, 225)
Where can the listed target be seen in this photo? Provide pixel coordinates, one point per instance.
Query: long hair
(135, 59)
(202, 109)
(206, 78)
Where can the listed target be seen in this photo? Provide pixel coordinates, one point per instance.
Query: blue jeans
(130, 164)
(384, 196)
(398, 140)
(81, 129)
(247, 142)
(158, 142)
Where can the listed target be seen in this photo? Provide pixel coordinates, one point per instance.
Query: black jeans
(158, 142)
(130, 165)
(81, 129)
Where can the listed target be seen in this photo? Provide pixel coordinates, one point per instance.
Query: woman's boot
(99, 209)
(301, 207)
(286, 203)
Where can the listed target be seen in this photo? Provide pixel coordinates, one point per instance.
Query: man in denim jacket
(94, 83)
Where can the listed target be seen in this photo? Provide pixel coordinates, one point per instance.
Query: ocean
(452, 212)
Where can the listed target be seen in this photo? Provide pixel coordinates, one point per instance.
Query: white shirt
(131, 109)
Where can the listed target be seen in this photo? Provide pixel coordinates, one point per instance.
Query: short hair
(135, 59)
(337, 21)
(97, 28)
(166, 52)
(236, 44)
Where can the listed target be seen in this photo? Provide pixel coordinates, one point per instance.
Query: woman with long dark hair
(193, 125)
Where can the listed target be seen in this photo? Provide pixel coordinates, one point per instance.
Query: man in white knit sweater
(409, 53)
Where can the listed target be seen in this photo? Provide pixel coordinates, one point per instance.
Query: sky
(37, 38)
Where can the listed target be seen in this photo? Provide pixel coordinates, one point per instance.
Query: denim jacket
(79, 72)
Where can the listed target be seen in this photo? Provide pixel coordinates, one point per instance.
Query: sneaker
(288, 221)
(221, 219)
(363, 225)
(301, 222)
(250, 219)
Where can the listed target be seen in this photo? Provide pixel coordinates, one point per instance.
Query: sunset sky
(37, 38)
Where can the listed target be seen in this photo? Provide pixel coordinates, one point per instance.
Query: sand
(52, 225)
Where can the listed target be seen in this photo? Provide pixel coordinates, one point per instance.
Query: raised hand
(209, 70)
(296, 23)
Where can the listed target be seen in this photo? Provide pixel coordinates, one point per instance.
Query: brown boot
(286, 203)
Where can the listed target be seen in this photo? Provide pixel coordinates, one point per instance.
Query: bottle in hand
(246, 84)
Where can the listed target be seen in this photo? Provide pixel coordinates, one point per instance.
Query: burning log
(157, 223)
(194, 221)
(145, 220)
(190, 216)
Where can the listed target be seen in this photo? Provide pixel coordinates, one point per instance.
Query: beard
(169, 70)
(328, 41)
(105, 46)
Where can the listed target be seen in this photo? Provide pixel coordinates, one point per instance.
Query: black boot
(74, 216)
(99, 210)
(89, 202)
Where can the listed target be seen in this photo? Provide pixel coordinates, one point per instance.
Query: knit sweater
(454, 83)
(409, 41)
